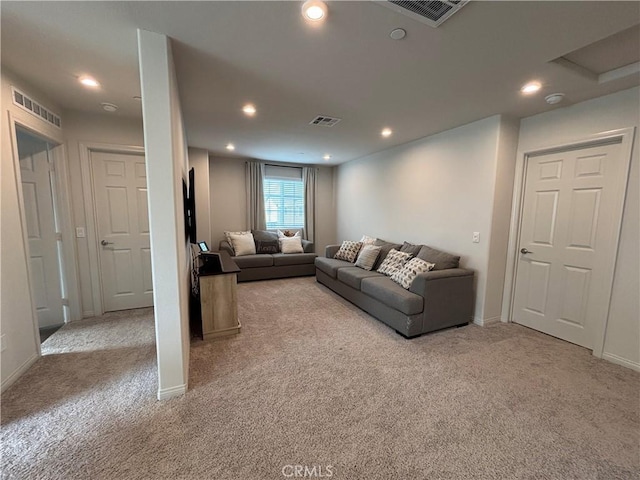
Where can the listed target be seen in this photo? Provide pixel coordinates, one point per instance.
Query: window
(283, 198)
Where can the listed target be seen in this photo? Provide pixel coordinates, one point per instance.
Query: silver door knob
(524, 251)
(104, 243)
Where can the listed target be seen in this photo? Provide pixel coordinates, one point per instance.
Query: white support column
(166, 166)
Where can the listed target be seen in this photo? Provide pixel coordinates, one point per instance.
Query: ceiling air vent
(324, 121)
(430, 13)
(33, 107)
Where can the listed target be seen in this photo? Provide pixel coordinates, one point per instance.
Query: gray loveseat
(441, 298)
(265, 266)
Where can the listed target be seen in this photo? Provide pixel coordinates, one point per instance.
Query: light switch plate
(476, 237)
(80, 232)
(3, 342)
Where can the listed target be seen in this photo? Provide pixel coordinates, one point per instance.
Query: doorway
(121, 217)
(571, 211)
(43, 229)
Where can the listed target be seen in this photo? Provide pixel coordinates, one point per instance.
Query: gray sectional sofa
(440, 298)
(265, 266)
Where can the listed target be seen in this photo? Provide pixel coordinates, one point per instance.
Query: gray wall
(229, 201)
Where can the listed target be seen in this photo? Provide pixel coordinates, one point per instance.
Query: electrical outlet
(3, 343)
(476, 237)
(80, 233)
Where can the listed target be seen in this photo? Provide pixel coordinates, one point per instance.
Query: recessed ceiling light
(314, 10)
(231, 147)
(249, 110)
(88, 81)
(531, 87)
(327, 157)
(386, 132)
(109, 107)
(554, 98)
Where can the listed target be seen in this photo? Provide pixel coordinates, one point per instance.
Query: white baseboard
(18, 373)
(166, 393)
(621, 361)
(484, 322)
(88, 313)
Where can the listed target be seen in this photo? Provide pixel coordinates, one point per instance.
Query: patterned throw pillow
(367, 257)
(410, 271)
(367, 240)
(348, 251)
(395, 261)
(266, 242)
(288, 234)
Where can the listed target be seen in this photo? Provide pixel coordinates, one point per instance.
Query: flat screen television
(189, 198)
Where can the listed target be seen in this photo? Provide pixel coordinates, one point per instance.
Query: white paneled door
(120, 189)
(568, 239)
(46, 285)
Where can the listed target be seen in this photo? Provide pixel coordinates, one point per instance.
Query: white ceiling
(230, 53)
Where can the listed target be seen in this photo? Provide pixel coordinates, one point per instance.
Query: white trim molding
(621, 361)
(18, 373)
(166, 393)
(90, 213)
(622, 136)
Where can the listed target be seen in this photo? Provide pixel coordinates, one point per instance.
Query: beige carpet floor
(314, 381)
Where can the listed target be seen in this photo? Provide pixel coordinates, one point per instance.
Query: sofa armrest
(331, 250)
(448, 297)
(307, 246)
(225, 246)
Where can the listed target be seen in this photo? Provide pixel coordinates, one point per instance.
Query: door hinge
(58, 236)
(65, 302)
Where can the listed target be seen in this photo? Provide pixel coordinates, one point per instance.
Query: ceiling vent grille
(324, 121)
(27, 103)
(430, 13)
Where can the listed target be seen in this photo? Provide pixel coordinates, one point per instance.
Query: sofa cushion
(385, 248)
(353, 276)
(394, 262)
(293, 258)
(367, 257)
(250, 261)
(443, 260)
(348, 251)
(393, 295)
(330, 266)
(411, 248)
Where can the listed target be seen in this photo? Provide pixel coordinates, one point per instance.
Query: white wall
(166, 156)
(438, 191)
(577, 122)
(85, 128)
(199, 161)
(17, 314)
(229, 201)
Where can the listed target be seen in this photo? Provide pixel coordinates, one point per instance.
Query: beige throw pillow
(367, 257)
(242, 243)
(291, 245)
